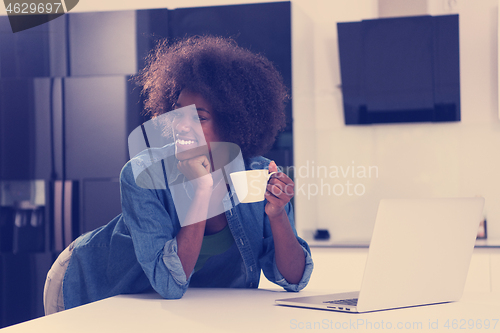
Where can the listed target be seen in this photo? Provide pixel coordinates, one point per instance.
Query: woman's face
(192, 131)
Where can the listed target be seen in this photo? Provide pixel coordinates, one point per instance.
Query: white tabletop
(254, 310)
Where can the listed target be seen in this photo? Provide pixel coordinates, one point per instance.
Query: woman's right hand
(197, 171)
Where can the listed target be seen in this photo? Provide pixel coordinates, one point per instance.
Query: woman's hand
(197, 171)
(289, 255)
(280, 189)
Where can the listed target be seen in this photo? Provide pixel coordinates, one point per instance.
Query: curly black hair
(245, 90)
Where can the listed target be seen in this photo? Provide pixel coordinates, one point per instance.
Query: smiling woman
(219, 93)
(193, 130)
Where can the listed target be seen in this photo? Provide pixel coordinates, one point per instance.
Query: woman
(239, 98)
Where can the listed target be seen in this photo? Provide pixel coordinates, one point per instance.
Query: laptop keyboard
(350, 301)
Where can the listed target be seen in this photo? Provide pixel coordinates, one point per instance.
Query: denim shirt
(137, 250)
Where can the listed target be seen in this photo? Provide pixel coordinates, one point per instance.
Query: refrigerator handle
(58, 216)
(68, 212)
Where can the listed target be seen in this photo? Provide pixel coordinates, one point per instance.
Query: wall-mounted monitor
(403, 69)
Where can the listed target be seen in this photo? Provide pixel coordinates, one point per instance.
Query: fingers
(273, 167)
(280, 178)
(206, 163)
(281, 187)
(285, 192)
(196, 161)
(195, 167)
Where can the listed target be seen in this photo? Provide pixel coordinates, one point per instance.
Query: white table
(254, 310)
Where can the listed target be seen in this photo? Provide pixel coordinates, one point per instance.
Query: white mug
(250, 185)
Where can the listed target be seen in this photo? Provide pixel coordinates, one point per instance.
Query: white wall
(412, 160)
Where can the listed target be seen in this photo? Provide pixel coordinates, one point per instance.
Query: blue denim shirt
(137, 250)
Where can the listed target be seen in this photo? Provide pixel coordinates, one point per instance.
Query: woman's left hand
(280, 189)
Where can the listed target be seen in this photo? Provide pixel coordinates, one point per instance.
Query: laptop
(419, 254)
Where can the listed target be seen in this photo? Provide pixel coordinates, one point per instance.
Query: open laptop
(419, 254)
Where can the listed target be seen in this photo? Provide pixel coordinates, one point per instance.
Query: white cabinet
(337, 269)
(484, 271)
(341, 269)
(495, 270)
(478, 278)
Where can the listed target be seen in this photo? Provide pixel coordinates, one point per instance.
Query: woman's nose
(183, 124)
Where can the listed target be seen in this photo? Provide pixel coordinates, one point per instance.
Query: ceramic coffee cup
(250, 185)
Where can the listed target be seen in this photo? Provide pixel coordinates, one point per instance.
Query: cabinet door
(495, 270)
(95, 126)
(21, 286)
(102, 43)
(30, 128)
(101, 202)
(17, 129)
(478, 277)
(48, 128)
(25, 53)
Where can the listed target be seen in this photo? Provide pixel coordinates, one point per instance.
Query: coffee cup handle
(269, 175)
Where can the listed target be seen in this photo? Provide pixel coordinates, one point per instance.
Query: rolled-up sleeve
(268, 260)
(150, 219)
(281, 281)
(173, 263)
